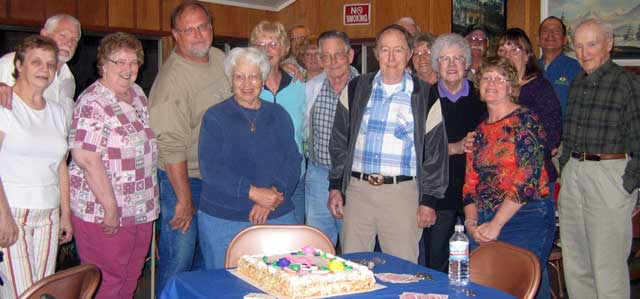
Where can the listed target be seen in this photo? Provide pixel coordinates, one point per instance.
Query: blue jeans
(217, 233)
(177, 252)
(298, 201)
(316, 196)
(532, 228)
(544, 292)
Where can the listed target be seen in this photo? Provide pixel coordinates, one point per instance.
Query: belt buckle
(376, 179)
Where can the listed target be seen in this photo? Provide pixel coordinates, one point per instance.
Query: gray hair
(53, 21)
(337, 35)
(450, 40)
(606, 28)
(251, 55)
(424, 37)
(408, 20)
(187, 5)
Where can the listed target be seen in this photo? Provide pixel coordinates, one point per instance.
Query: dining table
(220, 283)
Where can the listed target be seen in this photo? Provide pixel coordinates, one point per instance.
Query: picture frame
(490, 13)
(623, 15)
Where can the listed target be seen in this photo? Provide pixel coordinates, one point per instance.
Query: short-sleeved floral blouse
(121, 135)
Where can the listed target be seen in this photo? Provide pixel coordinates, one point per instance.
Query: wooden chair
(554, 263)
(273, 239)
(507, 268)
(79, 282)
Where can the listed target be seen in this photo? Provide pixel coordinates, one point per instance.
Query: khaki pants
(389, 211)
(595, 228)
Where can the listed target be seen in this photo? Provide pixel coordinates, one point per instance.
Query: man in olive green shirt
(600, 168)
(188, 83)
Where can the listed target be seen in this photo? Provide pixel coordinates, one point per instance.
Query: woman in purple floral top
(505, 190)
(114, 188)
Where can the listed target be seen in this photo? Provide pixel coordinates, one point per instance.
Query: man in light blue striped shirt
(388, 154)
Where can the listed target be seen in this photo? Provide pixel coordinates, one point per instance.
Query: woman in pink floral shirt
(114, 189)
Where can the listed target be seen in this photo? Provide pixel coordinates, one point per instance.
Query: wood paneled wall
(153, 16)
(321, 15)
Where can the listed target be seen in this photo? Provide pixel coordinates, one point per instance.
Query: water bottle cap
(459, 228)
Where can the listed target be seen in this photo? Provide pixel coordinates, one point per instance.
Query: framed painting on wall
(490, 13)
(623, 15)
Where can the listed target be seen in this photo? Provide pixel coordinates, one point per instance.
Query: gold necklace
(252, 126)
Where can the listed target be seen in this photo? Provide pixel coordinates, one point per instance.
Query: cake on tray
(306, 273)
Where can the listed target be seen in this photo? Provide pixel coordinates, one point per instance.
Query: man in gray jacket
(388, 154)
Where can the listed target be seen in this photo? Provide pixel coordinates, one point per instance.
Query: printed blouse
(120, 134)
(507, 162)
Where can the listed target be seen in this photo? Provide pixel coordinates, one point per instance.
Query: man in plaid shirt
(600, 168)
(388, 153)
(322, 93)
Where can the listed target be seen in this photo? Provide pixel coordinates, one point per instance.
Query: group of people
(285, 131)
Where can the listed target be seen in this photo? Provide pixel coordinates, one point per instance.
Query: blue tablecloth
(222, 284)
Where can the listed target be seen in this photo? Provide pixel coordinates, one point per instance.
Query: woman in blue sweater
(249, 159)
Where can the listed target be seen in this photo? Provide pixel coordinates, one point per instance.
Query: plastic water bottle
(459, 258)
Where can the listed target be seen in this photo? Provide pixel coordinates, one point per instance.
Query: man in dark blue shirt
(559, 68)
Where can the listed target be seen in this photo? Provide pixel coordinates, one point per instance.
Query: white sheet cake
(306, 273)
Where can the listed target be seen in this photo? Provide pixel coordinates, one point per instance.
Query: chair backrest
(78, 282)
(273, 239)
(507, 268)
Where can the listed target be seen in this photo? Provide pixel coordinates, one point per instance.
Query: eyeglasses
(123, 63)
(264, 45)
(495, 80)
(449, 59)
(476, 39)
(297, 38)
(557, 32)
(252, 78)
(510, 52)
(338, 56)
(422, 54)
(312, 55)
(202, 28)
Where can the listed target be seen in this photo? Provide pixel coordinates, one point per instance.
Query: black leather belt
(597, 157)
(378, 179)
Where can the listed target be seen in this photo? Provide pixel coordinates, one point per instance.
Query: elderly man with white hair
(389, 154)
(600, 168)
(65, 31)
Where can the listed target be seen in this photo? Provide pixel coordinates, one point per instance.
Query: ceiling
(271, 5)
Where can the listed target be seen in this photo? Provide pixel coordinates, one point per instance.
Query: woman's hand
(489, 231)
(468, 141)
(66, 230)
(8, 231)
(268, 198)
(111, 221)
(258, 214)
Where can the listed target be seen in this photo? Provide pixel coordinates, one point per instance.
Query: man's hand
(6, 95)
(8, 231)
(268, 198)
(336, 204)
(183, 215)
(426, 216)
(111, 221)
(258, 214)
(65, 233)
